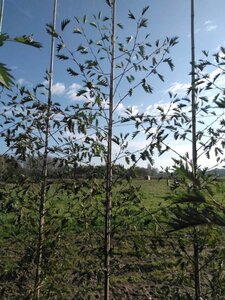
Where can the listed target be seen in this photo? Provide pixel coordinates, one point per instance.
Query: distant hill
(217, 172)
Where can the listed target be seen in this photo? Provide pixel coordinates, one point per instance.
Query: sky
(166, 18)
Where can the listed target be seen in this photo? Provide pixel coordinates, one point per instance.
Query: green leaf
(108, 3)
(26, 99)
(154, 62)
(81, 92)
(130, 92)
(99, 15)
(27, 40)
(160, 77)
(127, 160)
(50, 30)
(130, 15)
(220, 103)
(72, 72)
(6, 79)
(82, 49)
(64, 23)
(85, 19)
(59, 47)
(147, 88)
(120, 25)
(93, 24)
(173, 41)
(133, 157)
(143, 23)
(130, 78)
(62, 57)
(206, 53)
(169, 62)
(129, 39)
(77, 30)
(144, 10)
(3, 38)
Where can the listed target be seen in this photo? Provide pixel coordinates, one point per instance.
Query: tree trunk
(38, 275)
(108, 204)
(194, 154)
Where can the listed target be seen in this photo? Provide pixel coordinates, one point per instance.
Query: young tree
(109, 64)
(44, 175)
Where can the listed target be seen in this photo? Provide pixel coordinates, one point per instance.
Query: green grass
(145, 259)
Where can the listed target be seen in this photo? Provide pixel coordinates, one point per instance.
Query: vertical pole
(194, 153)
(1, 14)
(193, 94)
(41, 236)
(108, 208)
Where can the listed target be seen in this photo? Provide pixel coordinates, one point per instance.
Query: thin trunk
(1, 14)
(108, 204)
(197, 264)
(193, 95)
(194, 154)
(38, 275)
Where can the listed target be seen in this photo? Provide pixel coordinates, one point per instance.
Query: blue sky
(166, 18)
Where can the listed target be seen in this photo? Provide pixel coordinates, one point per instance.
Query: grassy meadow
(149, 260)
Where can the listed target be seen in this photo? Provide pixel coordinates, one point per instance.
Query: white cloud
(178, 88)
(72, 93)
(210, 25)
(23, 81)
(121, 109)
(58, 89)
(181, 88)
(134, 110)
(154, 111)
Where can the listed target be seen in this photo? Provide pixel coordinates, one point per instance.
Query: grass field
(148, 260)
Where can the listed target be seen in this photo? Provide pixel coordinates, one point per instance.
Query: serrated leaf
(64, 23)
(72, 72)
(6, 79)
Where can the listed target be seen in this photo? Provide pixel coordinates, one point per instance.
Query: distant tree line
(11, 169)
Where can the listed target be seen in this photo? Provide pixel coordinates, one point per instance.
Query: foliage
(6, 79)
